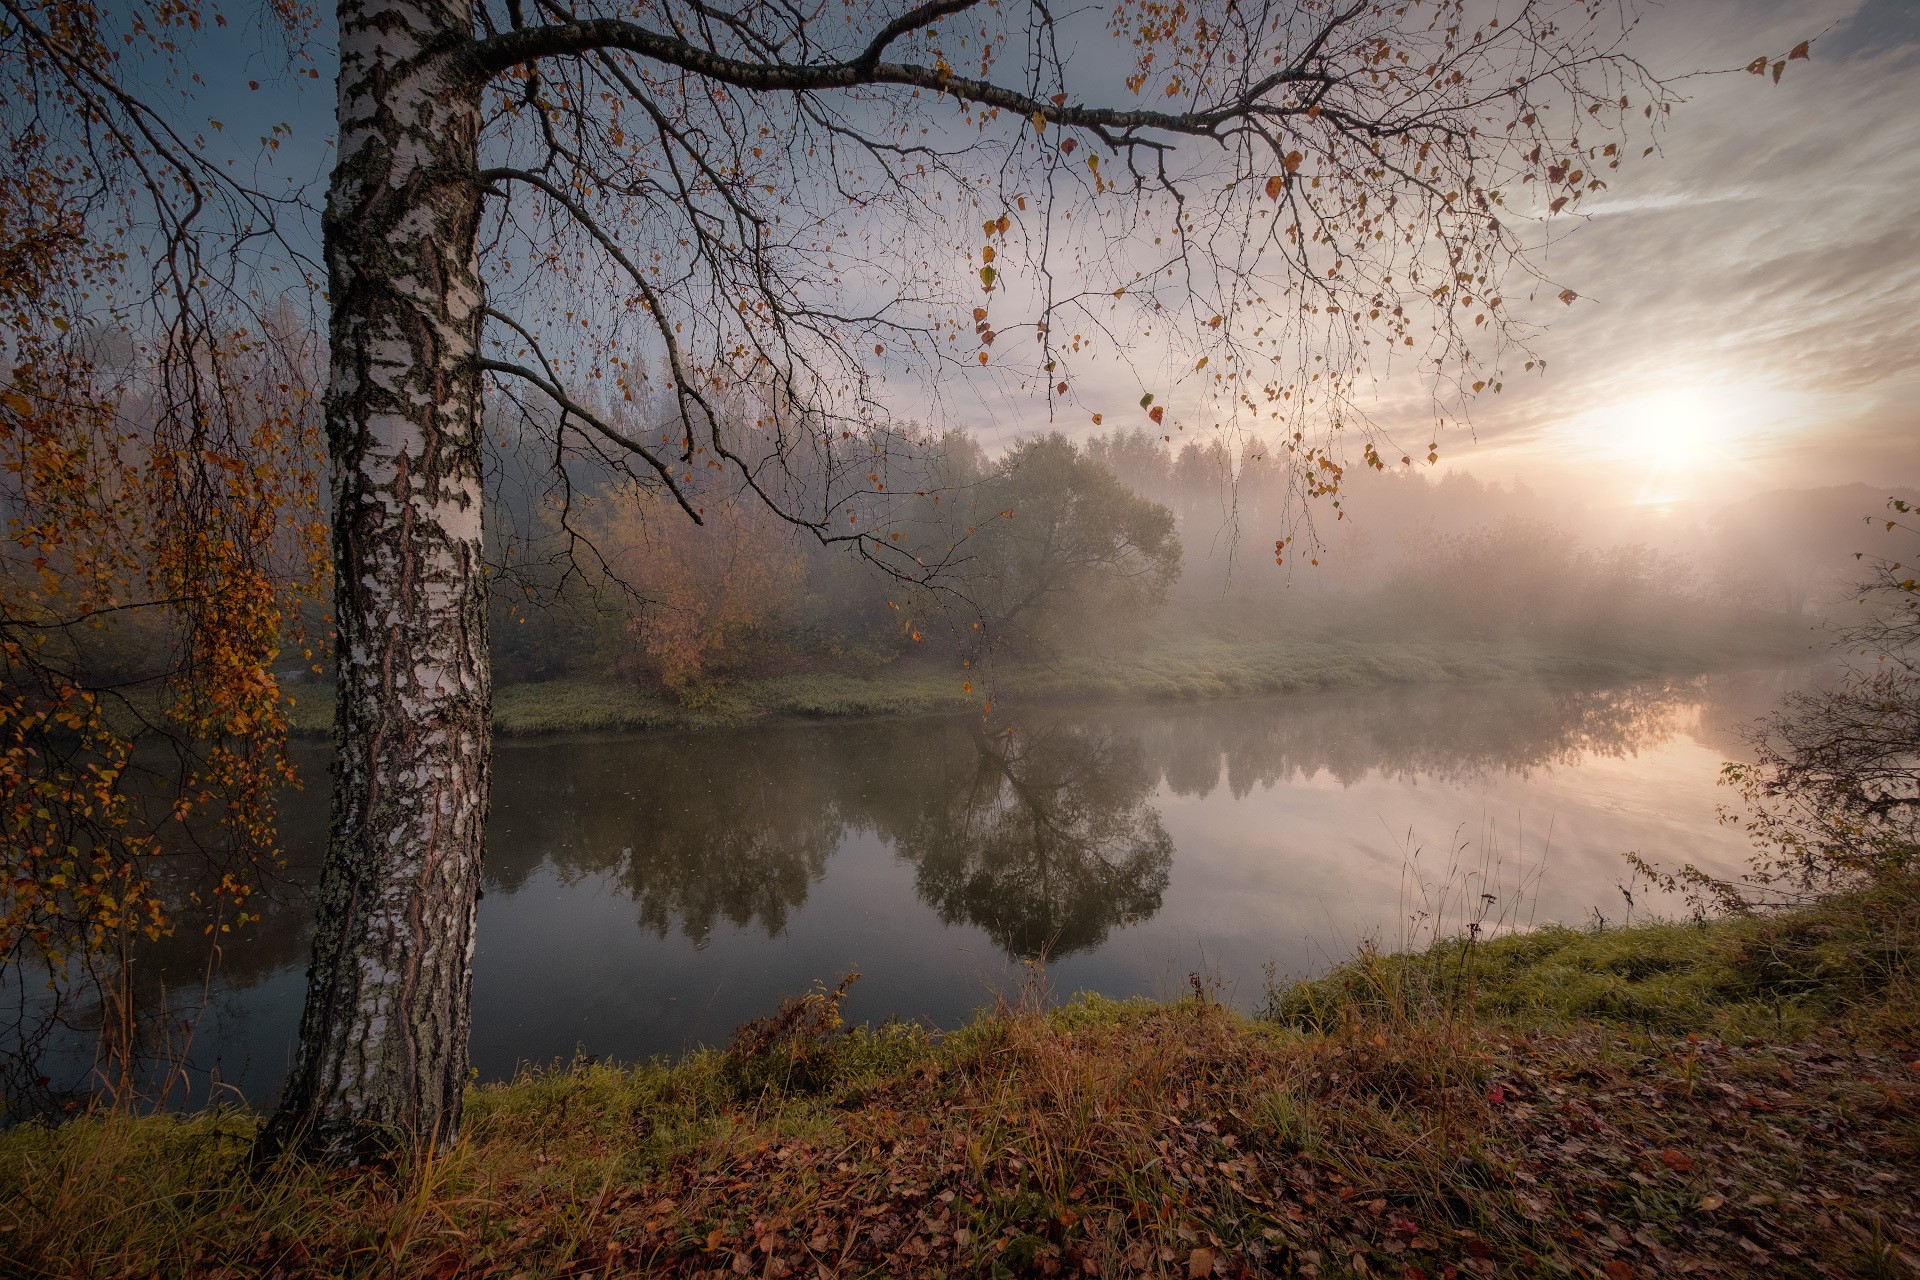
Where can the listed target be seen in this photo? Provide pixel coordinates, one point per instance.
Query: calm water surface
(646, 893)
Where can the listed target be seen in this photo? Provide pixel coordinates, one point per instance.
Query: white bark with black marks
(383, 1039)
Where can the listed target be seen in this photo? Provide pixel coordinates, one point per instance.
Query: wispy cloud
(1769, 262)
(1762, 273)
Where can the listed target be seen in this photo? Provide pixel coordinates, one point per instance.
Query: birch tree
(689, 239)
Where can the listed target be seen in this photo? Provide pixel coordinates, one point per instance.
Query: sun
(1669, 445)
(1670, 433)
(1685, 439)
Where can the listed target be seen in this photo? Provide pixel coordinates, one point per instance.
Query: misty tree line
(597, 575)
(603, 574)
(1036, 553)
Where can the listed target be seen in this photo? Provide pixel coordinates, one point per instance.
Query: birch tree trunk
(383, 1037)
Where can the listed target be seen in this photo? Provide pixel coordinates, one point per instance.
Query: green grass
(1597, 1104)
(1170, 667)
(1755, 975)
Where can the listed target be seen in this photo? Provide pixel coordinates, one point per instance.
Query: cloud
(1766, 266)
(1772, 252)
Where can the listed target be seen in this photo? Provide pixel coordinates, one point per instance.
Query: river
(646, 893)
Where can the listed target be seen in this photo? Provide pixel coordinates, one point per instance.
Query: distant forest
(1056, 547)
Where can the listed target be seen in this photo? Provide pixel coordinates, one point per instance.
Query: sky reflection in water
(646, 893)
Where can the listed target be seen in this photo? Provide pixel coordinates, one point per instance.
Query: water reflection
(1044, 834)
(645, 892)
(1049, 843)
(1451, 736)
(694, 832)
(1045, 831)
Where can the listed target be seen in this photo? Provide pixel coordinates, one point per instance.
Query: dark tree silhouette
(1050, 844)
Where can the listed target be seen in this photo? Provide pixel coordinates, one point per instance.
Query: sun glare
(1683, 441)
(1672, 431)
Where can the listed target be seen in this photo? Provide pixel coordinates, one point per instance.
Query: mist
(1153, 559)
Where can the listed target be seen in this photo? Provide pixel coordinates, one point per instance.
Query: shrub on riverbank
(1739, 1097)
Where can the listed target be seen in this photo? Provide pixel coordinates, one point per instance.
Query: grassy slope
(1735, 1098)
(1169, 668)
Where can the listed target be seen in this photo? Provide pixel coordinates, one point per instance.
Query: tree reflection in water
(698, 830)
(1042, 836)
(1046, 839)
(1050, 844)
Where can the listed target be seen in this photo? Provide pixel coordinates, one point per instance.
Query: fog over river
(646, 893)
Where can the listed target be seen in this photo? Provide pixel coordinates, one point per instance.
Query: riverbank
(1739, 1097)
(1172, 668)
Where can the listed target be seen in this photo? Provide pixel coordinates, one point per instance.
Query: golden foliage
(700, 593)
(156, 469)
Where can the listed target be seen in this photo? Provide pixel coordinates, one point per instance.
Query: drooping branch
(574, 409)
